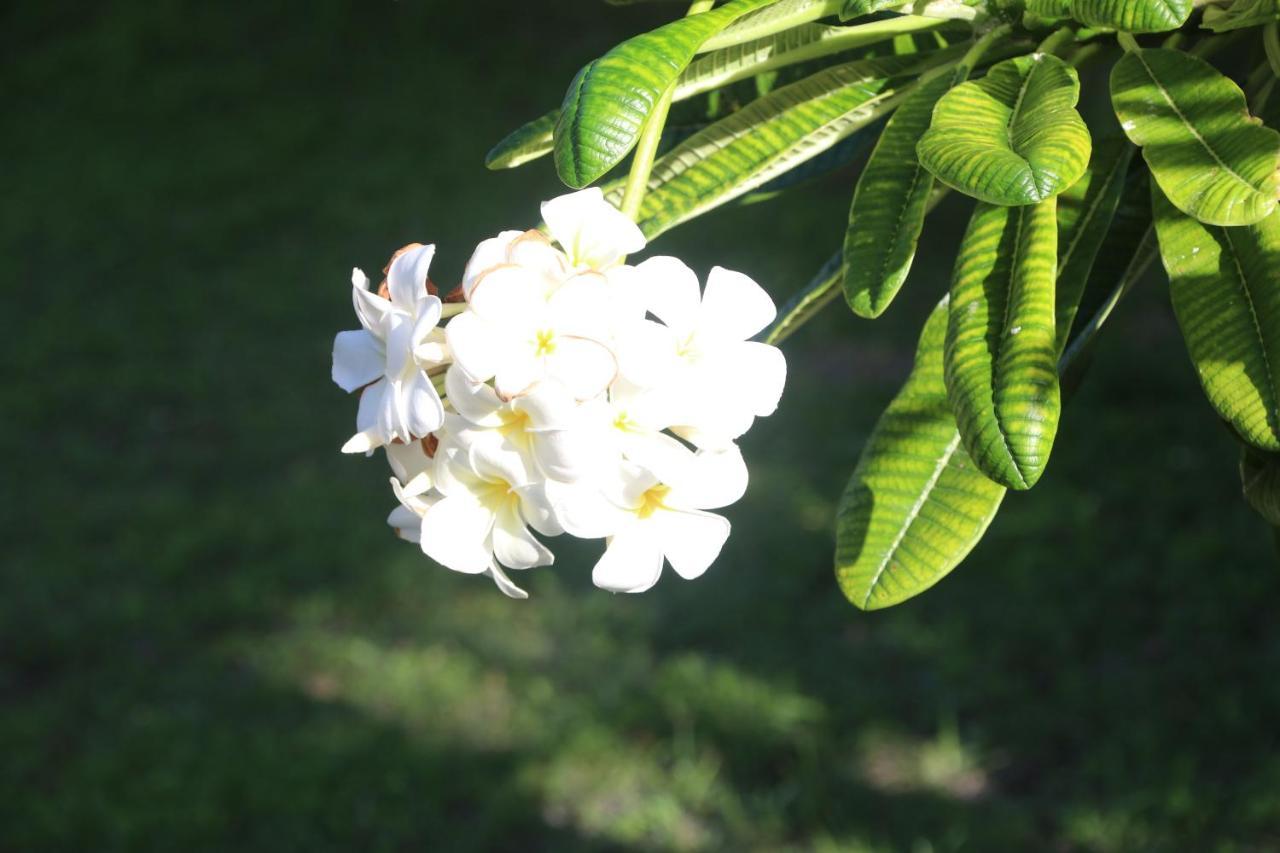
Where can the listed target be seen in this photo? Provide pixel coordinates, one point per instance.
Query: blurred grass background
(209, 640)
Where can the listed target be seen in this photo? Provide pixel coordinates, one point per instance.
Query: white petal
(582, 307)
(476, 345)
(734, 307)
(518, 369)
(362, 442)
(504, 583)
(646, 352)
(509, 295)
(584, 511)
(407, 277)
(497, 466)
(536, 509)
(357, 359)
(474, 401)
(409, 461)
(428, 317)
(631, 563)
(371, 308)
(433, 349)
(591, 231)
(753, 374)
(487, 255)
(672, 290)
(406, 523)
(534, 252)
(368, 434)
(585, 368)
(425, 411)
(712, 479)
(515, 547)
(691, 540)
(666, 457)
(455, 533)
(399, 348)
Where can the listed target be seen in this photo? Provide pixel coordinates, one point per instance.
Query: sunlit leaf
(889, 203)
(1211, 159)
(527, 142)
(1001, 358)
(1225, 287)
(1134, 16)
(610, 99)
(774, 18)
(1013, 137)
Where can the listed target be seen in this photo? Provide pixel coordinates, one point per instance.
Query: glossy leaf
(610, 99)
(1211, 159)
(1133, 16)
(1241, 14)
(774, 18)
(889, 204)
(527, 142)
(1001, 356)
(768, 137)
(1225, 287)
(916, 504)
(1260, 481)
(1085, 215)
(1013, 137)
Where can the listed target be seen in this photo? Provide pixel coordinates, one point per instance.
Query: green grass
(209, 640)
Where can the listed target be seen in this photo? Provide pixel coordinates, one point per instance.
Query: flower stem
(974, 55)
(647, 146)
(1127, 41)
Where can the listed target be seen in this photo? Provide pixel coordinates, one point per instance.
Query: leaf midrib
(1004, 333)
(1272, 412)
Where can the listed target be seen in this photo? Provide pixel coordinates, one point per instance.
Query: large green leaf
(610, 99)
(1260, 480)
(1241, 14)
(774, 18)
(889, 203)
(1085, 215)
(1134, 16)
(1225, 287)
(1001, 358)
(1211, 159)
(1013, 137)
(770, 136)
(916, 504)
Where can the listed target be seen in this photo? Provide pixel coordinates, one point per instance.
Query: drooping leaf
(809, 300)
(611, 98)
(1260, 480)
(1211, 159)
(1225, 287)
(1001, 357)
(834, 158)
(527, 142)
(791, 125)
(916, 504)
(774, 18)
(887, 213)
(1085, 214)
(1134, 16)
(1013, 137)
(1240, 14)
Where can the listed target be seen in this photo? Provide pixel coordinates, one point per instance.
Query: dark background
(210, 640)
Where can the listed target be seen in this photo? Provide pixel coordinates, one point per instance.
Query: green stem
(1271, 44)
(452, 309)
(1128, 42)
(1059, 38)
(974, 54)
(647, 146)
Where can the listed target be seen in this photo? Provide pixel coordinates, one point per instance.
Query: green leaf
(1240, 14)
(916, 504)
(1225, 287)
(859, 8)
(1260, 479)
(1001, 357)
(889, 204)
(1212, 160)
(1013, 137)
(770, 136)
(774, 18)
(1134, 16)
(1085, 214)
(610, 99)
(812, 298)
(527, 142)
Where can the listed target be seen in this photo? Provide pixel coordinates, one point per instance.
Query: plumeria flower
(544, 425)
(594, 234)
(489, 500)
(412, 464)
(629, 423)
(406, 520)
(518, 335)
(529, 250)
(702, 354)
(390, 356)
(649, 517)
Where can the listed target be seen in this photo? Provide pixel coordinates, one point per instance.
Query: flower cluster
(569, 392)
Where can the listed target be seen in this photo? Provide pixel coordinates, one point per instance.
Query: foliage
(996, 117)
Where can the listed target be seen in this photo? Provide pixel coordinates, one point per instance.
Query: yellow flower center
(652, 500)
(514, 427)
(497, 493)
(545, 343)
(623, 422)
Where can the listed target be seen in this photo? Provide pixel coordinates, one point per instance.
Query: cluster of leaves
(978, 97)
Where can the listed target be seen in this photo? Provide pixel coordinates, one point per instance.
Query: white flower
(703, 357)
(412, 466)
(489, 501)
(390, 356)
(649, 517)
(406, 520)
(530, 250)
(517, 334)
(593, 233)
(544, 425)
